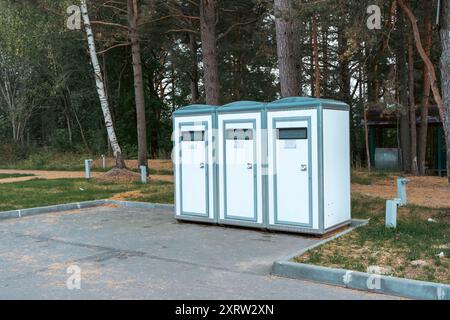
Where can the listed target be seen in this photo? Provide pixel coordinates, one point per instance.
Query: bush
(12, 152)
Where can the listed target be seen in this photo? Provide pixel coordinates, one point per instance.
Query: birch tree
(120, 163)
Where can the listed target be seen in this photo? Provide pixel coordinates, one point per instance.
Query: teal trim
(255, 172)
(242, 106)
(264, 168)
(195, 109)
(275, 191)
(320, 171)
(303, 102)
(180, 168)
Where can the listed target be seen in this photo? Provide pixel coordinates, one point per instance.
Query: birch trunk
(287, 65)
(133, 15)
(101, 88)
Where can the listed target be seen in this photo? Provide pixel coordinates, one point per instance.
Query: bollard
(391, 212)
(401, 191)
(87, 165)
(103, 161)
(143, 174)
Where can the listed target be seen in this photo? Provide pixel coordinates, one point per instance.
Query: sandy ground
(154, 164)
(431, 192)
(52, 175)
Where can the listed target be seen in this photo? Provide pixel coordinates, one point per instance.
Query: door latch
(249, 166)
(304, 167)
(202, 165)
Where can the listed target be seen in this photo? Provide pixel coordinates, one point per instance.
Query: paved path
(142, 254)
(42, 174)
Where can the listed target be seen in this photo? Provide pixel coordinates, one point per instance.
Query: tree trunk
(120, 163)
(445, 76)
(423, 132)
(316, 59)
(209, 49)
(443, 102)
(402, 85)
(193, 75)
(325, 62)
(412, 106)
(133, 15)
(287, 65)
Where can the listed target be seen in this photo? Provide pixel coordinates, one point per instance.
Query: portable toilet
(240, 157)
(308, 183)
(193, 159)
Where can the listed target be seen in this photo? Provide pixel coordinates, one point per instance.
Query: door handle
(304, 167)
(202, 165)
(249, 166)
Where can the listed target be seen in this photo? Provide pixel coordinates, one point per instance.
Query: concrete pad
(132, 253)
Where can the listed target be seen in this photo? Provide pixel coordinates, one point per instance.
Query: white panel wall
(197, 120)
(314, 155)
(258, 138)
(336, 147)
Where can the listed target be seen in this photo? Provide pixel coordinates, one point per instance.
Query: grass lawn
(36, 193)
(365, 177)
(410, 250)
(15, 175)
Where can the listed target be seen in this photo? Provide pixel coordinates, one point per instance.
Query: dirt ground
(433, 192)
(52, 175)
(153, 164)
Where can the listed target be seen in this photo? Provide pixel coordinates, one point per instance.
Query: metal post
(401, 191)
(144, 174)
(87, 165)
(103, 161)
(391, 213)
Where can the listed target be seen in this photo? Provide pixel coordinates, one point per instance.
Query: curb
(14, 214)
(49, 209)
(407, 288)
(141, 205)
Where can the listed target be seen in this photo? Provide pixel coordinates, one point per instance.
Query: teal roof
(241, 106)
(295, 102)
(195, 109)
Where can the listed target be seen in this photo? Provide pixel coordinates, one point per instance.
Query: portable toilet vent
(281, 166)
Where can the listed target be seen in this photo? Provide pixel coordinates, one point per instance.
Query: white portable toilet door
(292, 176)
(239, 165)
(194, 170)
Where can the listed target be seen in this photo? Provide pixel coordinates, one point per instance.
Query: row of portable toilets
(281, 166)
